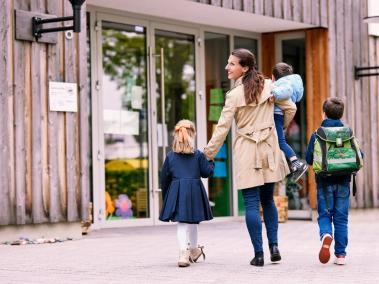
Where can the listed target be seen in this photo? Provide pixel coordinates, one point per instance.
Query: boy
(287, 86)
(332, 193)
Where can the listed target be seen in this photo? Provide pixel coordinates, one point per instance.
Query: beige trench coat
(256, 151)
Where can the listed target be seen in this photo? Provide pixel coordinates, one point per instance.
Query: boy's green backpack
(336, 152)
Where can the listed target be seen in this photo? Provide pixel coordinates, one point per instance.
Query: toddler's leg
(192, 235)
(182, 234)
(288, 152)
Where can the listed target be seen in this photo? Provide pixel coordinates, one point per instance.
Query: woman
(259, 160)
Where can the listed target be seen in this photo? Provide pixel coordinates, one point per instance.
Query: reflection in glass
(247, 43)
(124, 94)
(294, 54)
(217, 84)
(179, 85)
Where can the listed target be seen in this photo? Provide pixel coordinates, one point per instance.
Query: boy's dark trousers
(333, 208)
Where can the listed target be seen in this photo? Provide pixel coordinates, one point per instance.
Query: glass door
(290, 48)
(174, 88)
(122, 117)
(146, 83)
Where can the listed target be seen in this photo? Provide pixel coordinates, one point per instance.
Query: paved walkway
(149, 255)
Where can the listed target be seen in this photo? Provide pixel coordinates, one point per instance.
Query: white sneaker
(340, 260)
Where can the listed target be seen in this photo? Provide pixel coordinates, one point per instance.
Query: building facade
(140, 66)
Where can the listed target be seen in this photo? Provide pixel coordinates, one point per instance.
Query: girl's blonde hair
(184, 137)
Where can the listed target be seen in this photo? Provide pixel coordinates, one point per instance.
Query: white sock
(182, 233)
(192, 235)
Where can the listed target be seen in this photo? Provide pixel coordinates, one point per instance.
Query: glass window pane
(217, 84)
(124, 94)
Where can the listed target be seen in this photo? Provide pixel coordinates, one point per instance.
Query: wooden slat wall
(349, 46)
(305, 11)
(44, 160)
(316, 41)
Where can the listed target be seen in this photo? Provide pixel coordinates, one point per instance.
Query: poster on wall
(63, 96)
(214, 113)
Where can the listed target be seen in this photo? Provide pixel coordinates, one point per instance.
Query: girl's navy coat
(185, 199)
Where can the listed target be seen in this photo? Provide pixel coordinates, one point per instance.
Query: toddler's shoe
(298, 169)
(324, 254)
(340, 260)
(184, 256)
(195, 253)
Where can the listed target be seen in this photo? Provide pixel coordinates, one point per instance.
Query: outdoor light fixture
(371, 70)
(371, 20)
(37, 22)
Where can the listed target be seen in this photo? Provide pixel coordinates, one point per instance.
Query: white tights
(187, 235)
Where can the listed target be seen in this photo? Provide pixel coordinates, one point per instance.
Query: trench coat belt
(255, 134)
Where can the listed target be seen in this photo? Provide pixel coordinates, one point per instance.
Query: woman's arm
(222, 128)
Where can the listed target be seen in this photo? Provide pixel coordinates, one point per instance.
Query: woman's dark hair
(253, 81)
(333, 108)
(281, 69)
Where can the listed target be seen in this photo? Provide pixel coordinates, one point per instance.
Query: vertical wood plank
(348, 58)
(84, 99)
(28, 135)
(307, 11)
(19, 74)
(376, 142)
(278, 9)
(248, 6)
(227, 4)
(268, 56)
(340, 46)
(237, 5)
(357, 22)
(37, 82)
(258, 7)
(216, 3)
(55, 214)
(297, 10)
(373, 108)
(324, 13)
(5, 114)
(365, 118)
(268, 8)
(71, 127)
(315, 12)
(287, 10)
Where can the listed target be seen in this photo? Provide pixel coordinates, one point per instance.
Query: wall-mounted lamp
(29, 25)
(371, 70)
(371, 20)
(37, 22)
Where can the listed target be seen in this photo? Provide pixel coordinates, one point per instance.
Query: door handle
(163, 103)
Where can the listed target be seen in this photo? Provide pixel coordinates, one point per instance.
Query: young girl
(185, 199)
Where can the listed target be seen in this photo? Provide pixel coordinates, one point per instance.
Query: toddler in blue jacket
(184, 197)
(287, 86)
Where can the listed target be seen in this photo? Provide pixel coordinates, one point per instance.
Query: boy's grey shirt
(290, 86)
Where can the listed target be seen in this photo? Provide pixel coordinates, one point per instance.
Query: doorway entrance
(145, 81)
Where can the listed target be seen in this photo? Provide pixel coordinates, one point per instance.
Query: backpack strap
(354, 184)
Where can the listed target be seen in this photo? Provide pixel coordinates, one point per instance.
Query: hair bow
(182, 132)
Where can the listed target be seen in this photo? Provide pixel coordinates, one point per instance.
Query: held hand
(271, 99)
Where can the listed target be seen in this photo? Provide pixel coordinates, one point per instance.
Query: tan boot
(184, 258)
(195, 253)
